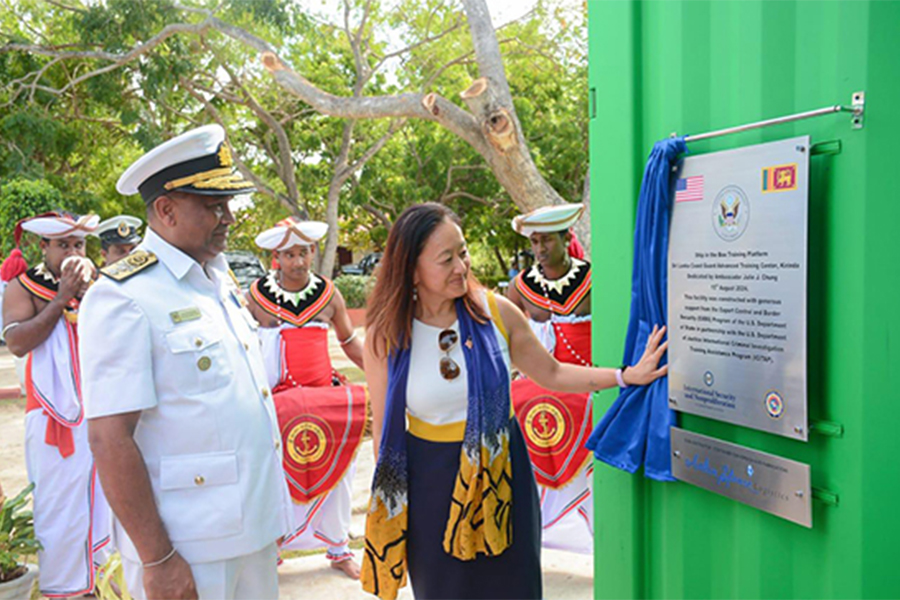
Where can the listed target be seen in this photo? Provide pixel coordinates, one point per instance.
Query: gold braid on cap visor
(197, 177)
(232, 181)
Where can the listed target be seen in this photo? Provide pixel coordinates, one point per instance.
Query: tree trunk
(503, 268)
(326, 256)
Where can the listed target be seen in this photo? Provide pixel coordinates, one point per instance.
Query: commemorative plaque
(770, 483)
(737, 287)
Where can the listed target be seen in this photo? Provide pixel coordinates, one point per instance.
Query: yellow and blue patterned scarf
(480, 519)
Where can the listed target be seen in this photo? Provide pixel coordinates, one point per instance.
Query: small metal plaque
(770, 483)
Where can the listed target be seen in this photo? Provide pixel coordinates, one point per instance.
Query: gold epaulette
(130, 265)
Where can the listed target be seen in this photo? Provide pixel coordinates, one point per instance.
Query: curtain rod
(857, 108)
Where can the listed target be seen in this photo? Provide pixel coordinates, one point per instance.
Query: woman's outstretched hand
(646, 370)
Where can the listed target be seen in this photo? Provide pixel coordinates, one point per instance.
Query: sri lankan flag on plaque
(781, 178)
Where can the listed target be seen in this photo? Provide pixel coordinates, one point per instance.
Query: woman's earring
(415, 293)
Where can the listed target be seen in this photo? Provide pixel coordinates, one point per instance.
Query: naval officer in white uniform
(181, 419)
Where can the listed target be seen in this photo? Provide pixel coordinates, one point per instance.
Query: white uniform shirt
(178, 346)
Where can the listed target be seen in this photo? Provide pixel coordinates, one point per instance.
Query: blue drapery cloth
(635, 429)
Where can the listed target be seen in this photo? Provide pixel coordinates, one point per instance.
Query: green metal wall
(694, 66)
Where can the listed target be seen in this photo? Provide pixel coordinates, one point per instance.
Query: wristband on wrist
(156, 563)
(619, 379)
(348, 340)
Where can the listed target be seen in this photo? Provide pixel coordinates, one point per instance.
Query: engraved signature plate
(770, 483)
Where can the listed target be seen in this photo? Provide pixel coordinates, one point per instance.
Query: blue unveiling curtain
(635, 429)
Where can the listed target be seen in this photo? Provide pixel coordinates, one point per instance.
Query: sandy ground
(566, 575)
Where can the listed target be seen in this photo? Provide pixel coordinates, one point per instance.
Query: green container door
(694, 66)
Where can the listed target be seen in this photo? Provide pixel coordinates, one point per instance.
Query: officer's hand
(171, 580)
(71, 282)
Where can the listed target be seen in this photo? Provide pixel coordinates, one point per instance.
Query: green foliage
(355, 289)
(16, 534)
(21, 198)
(81, 141)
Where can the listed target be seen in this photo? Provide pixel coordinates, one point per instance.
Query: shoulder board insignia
(132, 264)
(231, 274)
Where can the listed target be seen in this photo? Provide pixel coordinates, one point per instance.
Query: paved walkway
(567, 576)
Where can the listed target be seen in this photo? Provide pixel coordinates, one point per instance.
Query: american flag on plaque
(688, 189)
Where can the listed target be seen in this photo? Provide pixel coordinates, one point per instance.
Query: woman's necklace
(556, 328)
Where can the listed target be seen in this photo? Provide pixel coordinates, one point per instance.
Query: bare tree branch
(454, 195)
(288, 203)
(66, 6)
(380, 215)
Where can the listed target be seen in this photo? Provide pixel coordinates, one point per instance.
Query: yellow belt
(448, 432)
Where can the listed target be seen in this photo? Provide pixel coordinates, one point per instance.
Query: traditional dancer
(555, 294)
(40, 310)
(321, 417)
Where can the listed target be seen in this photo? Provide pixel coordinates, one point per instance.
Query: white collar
(42, 270)
(556, 285)
(177, 261)
(295, 298)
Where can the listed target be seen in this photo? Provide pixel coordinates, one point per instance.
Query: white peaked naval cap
(548, 219)
(198, 161)
(61, 225)
(289, 233)
(121, 229)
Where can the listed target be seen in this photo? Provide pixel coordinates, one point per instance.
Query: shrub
(355, 289)
(16, 535)
(22, 198)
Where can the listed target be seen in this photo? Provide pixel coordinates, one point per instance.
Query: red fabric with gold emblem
(321, 425)
(321, 429)
(556, 427)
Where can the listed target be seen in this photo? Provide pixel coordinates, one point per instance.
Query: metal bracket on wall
(827, 428)
(858, 109)
(826, 497)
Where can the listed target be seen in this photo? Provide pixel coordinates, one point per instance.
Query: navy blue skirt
(434, 574)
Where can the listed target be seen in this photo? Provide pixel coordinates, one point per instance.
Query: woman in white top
(454, 500)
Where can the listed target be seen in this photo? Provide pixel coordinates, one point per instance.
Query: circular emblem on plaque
(708, 378)
(774, 404)
(545, 425)
(306, 442)
(730, 213)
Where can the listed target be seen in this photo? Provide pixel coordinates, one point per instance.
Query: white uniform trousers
(250, 577)
(567, 514)
(325, 521)
(71, 516)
